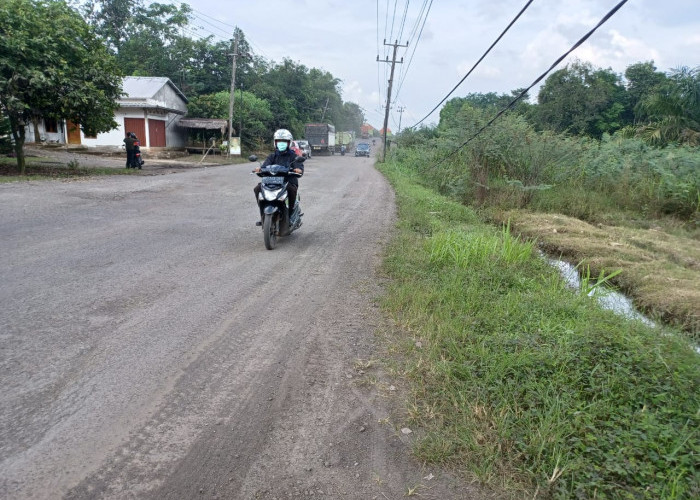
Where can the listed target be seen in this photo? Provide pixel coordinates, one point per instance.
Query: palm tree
(673, 112)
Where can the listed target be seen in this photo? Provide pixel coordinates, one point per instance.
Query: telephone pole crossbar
(393, 61)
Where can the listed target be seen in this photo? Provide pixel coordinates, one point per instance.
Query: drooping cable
(539, 79)
(476, 64)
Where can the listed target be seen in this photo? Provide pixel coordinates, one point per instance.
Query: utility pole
(240, 126)
(401, 110)
(324, 109)
(233, 88)
(396, 45)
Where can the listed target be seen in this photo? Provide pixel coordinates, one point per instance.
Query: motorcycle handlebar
(295, 174)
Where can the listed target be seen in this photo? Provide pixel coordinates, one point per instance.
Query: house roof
(146, 87)
(203, 123)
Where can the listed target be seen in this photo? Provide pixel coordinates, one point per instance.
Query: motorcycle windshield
(276, 170)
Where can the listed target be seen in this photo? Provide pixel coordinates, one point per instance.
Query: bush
(512, 165)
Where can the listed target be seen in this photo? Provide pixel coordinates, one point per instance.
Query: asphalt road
(152, 348)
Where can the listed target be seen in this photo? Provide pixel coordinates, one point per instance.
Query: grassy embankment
(43, 169)
(522, 383)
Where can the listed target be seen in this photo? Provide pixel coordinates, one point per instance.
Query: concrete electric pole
(233, 88)
(396, 45)
(401, 110)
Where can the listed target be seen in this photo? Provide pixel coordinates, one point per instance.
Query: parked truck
(321, 137)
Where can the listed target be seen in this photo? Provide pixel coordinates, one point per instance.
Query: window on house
(50, 125)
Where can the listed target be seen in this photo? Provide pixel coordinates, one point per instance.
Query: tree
(582, 100)
(111, 19)
(672, 113)
(254, 114)
(52, 65)
(352, 117)
(154, 45)
(643, 81)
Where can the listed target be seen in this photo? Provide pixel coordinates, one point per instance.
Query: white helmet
(282, 135)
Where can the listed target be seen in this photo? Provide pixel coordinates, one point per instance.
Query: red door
(138, 127)
(73, 132)
(156, 133)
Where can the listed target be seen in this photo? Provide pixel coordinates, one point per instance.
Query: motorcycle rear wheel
(270, 231)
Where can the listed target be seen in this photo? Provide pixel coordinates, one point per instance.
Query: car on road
(362, 149)
(305, 147)
(295, 147)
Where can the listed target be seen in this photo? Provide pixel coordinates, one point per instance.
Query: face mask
(281, 146)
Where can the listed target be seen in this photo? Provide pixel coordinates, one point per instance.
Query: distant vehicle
(346, 139)
(295, 147)
(362, 149)
(305, 147)
(321, 137)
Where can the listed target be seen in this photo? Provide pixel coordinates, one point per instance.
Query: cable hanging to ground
(477, 63)
(539, 79)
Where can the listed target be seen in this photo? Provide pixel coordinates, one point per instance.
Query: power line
(417, 23)
(393, 20)
(403, 21)
(524, 92)
(405, 72)
(477, 62)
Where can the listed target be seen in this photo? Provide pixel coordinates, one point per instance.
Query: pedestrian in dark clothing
(129, 141)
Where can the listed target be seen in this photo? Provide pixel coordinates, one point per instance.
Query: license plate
(273, 180)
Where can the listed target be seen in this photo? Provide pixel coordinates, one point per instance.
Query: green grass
(522, 383)
(39, 169)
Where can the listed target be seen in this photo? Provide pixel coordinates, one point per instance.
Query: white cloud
(341, 37)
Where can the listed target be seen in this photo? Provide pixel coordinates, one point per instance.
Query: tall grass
(522, 383)
(512, 165)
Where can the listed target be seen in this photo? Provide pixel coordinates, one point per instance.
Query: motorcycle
(138, 161)
(277, 220)
(342, 150)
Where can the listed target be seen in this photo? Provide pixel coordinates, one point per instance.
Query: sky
(345, 38)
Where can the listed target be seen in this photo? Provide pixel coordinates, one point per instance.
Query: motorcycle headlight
(270, 195)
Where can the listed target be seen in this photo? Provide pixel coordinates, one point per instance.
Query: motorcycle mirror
(300, 159)
(252, 158)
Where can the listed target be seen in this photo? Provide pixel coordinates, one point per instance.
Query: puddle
(607, 298)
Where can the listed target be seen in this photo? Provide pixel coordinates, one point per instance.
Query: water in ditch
(607, 298)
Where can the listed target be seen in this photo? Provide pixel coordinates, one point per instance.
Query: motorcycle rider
(282, 155)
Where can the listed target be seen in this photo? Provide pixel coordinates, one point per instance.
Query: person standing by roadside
(129, 141)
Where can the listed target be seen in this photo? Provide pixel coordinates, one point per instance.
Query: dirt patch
(62, 162)
(660, 270)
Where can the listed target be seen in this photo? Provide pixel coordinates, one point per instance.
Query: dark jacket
(129, 141)
(285, 159)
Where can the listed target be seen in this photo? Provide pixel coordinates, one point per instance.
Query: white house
(151, 109)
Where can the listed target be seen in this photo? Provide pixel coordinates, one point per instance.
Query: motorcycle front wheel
(270, 231)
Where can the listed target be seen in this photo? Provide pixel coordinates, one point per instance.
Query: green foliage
(643, 81)
(148, 41)
(255, 112)
(512, 165)
(5, 131)
(672, 112)
(584, 101)
(523, 383)
(52, 65)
